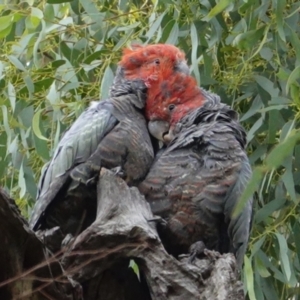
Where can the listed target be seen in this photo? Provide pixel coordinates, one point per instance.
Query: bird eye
(171, 107)
(157, 62)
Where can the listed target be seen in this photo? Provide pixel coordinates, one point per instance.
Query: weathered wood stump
(122, 232)
(27, 272)
(98, 259)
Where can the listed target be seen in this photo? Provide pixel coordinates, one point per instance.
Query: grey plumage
(111, 133)
(198, 179)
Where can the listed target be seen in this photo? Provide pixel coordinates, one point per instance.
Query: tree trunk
(27, 270)
(96, 262)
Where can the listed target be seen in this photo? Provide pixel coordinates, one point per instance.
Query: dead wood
(26, 271)
(96, 263)
(122, 232)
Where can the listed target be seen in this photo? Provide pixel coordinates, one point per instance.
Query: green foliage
(58, 55)
(135, 268)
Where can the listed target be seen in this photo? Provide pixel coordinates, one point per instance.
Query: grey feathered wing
(110, 133)
(75, 147)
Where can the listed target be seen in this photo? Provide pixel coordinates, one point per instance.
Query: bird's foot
(158, 220)
(67, 240)
(77, 288)
(51, 238)
(119, 171)
(92, 181)
(195, 250)
(212, 254)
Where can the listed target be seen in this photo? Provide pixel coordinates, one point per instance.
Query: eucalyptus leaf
(36, 125)
(267, 210)
(106, 83)
(154, 27)
(296, 233)
(21, 182)
(58, 1)
(135, 268)
(285, 262)
(16, 62)
(220, 6)
(292, 78)
(249, 278)
(11, 95)
(282, 150)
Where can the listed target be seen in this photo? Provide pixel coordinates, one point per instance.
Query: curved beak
(159, 129)
(182, 67)
(168, 137)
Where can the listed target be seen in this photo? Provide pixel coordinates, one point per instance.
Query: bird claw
(182, 256)
(192, 257)
(198, 249)
(67, 240)
(119, 171)
(211, 254)
(195, 250)
(51, 238)
(158, 220)
(91, 181)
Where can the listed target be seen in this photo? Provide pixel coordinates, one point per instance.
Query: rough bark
(26, 270)
(99, 257)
